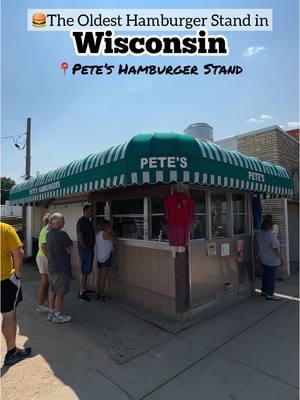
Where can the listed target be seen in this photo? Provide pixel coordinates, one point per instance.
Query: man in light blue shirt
(269, 253)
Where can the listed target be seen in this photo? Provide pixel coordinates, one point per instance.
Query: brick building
(280, 147)
(294, 133)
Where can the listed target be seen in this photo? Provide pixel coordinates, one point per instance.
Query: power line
(11, 137)
(15, 166)
(18, 141)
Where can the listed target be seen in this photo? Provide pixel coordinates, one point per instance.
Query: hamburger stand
(202, 265)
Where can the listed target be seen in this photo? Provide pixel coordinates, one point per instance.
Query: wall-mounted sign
(225, 249)
(211, 249)
(239, 250)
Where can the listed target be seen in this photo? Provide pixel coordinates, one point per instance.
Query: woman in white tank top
(104, 247)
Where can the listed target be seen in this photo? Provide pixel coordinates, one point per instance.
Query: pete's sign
(254, 176)
(163, 162)
(45, 188)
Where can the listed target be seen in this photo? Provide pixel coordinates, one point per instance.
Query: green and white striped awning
(155, 158)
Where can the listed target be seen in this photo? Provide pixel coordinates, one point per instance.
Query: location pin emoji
(64, 66)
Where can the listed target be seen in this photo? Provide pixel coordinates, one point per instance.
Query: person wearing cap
(11, 292)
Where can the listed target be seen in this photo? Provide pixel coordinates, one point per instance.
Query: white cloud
(252, 50)
(293, 125)
(262, 118)
(265, 116)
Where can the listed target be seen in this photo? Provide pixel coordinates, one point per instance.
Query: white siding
(71, 212)
(10, 211)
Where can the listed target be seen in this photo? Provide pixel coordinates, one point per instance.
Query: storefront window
(128, 218)
(99, 208)
(134, 206)
(158, 224)
(219, 215)
(99, 212)
(239, 214)
(198, 230)
(129, 227)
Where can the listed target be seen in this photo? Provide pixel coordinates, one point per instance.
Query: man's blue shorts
(86, 260)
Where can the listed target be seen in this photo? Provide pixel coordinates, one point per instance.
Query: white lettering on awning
(163, 162)
(255, 176)
(45, 188)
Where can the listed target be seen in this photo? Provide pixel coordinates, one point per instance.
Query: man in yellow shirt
(11, 292)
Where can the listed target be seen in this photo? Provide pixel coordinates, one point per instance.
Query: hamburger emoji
(38, 20)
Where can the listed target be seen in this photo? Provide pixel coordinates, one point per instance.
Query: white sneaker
(50, 316)
(42, 308)
(61, 319)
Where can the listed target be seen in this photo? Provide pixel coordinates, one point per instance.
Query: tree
(7, 183)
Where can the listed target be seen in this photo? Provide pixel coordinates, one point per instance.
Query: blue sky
(75, 116)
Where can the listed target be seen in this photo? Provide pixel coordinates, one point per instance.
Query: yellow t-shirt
(42, 240)
(9, 242)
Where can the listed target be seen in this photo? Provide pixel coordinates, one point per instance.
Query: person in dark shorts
(86, 243)
(58, 247)
(104, 247)
(11, 292)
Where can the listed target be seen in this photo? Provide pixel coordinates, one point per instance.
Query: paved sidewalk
(249, 351)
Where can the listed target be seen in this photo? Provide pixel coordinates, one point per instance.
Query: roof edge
(258, 132)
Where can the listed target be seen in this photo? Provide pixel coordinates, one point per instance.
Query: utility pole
(27, 215)
(28, 149)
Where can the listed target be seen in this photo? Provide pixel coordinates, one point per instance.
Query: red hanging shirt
(179, 214)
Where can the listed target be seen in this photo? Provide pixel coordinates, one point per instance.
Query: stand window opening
(239, 214)
(158, 223)
(198, 230)
(128, 218)
(219, 215)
